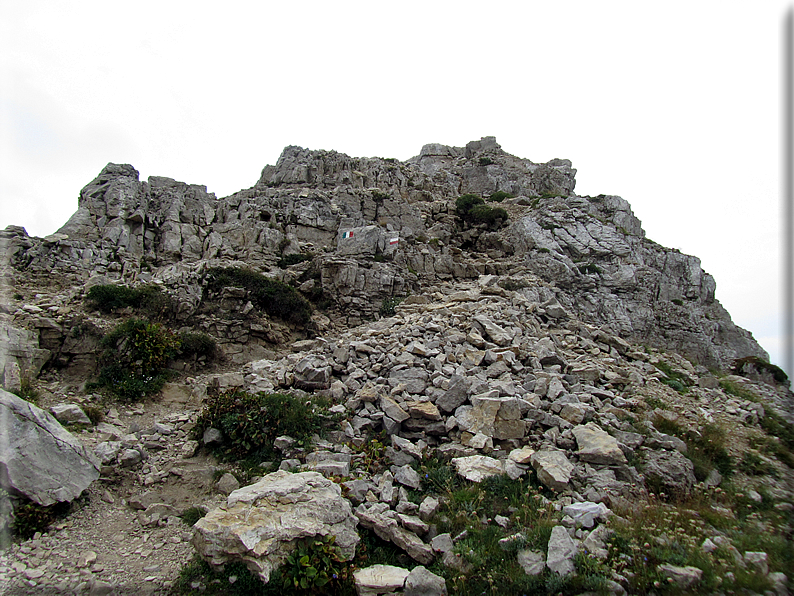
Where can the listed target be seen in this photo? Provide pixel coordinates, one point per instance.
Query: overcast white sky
(674, 106)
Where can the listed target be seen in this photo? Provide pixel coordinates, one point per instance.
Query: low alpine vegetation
(251, 422)
(135, 357)
(148, 299)
(273, 297)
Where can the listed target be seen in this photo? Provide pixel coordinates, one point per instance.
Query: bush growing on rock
(274, 297)
(294, 259)
(197, 344)
(109, 297)
(465, 203)
(134, 360)
(251, 422)
(499, 196)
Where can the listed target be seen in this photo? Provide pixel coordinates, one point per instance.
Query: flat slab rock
(477, 468)
(260, 522)
(596, 446)
(41, 459)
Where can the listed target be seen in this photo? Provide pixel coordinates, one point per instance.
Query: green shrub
(294, 259)
(675, 384)
(589, 268)
(753, 465)
(675, 379)
(473, 209)
(274, 297)
(30, 517)
(192, 515)
(251, 422)
(486, 214)
(315, 566)
(135, 355)
(149, 299)
(465, 203)
(388, 306)
(26, 390)
(677, 302)
(197, 344)
(499, 196)
(485, 161)
(778, 373)
(737, 390)
(95, 414)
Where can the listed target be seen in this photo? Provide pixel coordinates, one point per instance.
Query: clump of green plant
(673, 378)
(274, 297)
(29, 517)
(737, 390)
(655, 402)
(677, 302)
(499, 196)
(293, 259)
(133, 363)
(251, 422)
(27, 390)
(742, 365)
(149, 299)
(774, 424)
(589, 268)
(485, 161)
(486, 214)
(234, 579)
(192, 514)
(198, 345)
(315, 566)
(753, 465)
(388, 306)
(95, 414)
(544, 249)
(466, 203)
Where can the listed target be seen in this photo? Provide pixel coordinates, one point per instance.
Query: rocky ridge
(527, 350)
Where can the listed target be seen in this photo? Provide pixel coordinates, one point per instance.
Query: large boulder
(260, 523)
(596, 446)
(38, 457)
(669, 472)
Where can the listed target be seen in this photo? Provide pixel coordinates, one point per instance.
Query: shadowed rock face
(378, 228)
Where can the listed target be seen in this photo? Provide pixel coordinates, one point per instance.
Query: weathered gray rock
(669, 472)
(455, 395)
(313, 373)
(39, 458)
(379, 579)
(561, 552)
(422, 582)
(70, 414)
(596, 446)
(585, 514)
(261, 522)
(477, 468)
(380, 519)
(227, 484)
(683, 577)
(533, 562)
(553, 469)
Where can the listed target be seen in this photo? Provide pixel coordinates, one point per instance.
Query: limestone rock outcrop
(374, 229)
(260, 523)
(39, 459)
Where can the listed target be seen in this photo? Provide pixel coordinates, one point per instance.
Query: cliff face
(378, 228)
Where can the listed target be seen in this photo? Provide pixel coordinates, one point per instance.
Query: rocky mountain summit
(484, 383)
